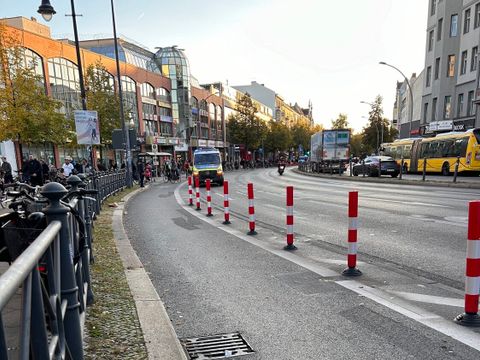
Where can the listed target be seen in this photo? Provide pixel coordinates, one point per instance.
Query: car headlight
(195, 172)
(219, 172)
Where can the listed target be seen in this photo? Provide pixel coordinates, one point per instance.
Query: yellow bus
(398, 149)
(440, 152)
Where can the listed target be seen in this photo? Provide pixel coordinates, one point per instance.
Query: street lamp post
(411, 96)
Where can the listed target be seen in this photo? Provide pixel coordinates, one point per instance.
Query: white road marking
(221, 195)
(274, 207)
(433, 321)
(430, 299)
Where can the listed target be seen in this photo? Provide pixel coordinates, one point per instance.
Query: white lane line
(433, 321)
(274, 207)
(404, 202)
(430, 299)
(221, 195)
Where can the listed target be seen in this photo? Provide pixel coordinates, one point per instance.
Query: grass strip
(112, 327)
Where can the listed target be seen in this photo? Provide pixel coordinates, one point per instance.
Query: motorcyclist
(282, 162)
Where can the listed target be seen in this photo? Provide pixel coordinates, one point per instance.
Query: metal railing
(53, 273)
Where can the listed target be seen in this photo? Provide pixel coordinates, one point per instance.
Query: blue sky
(326, 51)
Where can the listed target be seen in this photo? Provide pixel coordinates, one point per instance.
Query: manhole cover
(216, 346)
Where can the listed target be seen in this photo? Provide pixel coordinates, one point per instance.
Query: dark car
(371, 167)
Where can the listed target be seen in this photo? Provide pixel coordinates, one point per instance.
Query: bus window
(406, 151)
(448, 148)
(393, 152)
(387, 150)
(424, 151)
(461, 147)
(432, 151)
(440, 149)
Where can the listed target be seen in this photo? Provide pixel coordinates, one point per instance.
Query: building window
(437, 68)
(166, 128)
(439, 29)
(453, 25)
(163, 95)
(433, 6)
(451, 66)
(150, 127)
(425, 112)
(463, 65)
(434, 109)
(473, 65)
(460, 105)
(447, 107)
(148, 111)
(429, 76)
(476, 22)
(64, 83)
(470, 104)
(430, 40)
(129, 88)
(147, 91)
(466, 21)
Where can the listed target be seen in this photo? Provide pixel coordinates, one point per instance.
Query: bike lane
(213, 282)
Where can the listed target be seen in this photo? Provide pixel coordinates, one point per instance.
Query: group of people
(38, 172)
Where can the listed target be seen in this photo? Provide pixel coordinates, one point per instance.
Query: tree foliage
(279, 137)
(27, 113)
(377, 126)
(102, 98)
(341, 122)
(301, 134)
(245, 127)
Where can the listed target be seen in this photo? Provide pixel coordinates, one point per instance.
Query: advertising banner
(87, 128)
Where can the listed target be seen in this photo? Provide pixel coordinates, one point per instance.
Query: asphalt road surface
(214, 279)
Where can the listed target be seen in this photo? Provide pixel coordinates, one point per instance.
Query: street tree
(27, 113)
(245, 127)
(279, 137)
(102, 98)
(341, 122)
(301, 134)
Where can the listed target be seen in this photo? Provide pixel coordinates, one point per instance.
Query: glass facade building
(174, 64)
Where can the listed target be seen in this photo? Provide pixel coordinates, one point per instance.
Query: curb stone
(161, 340)
(462, 185)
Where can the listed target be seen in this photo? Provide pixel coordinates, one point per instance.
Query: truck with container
(330, 151)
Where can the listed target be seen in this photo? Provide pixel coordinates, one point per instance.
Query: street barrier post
(401, 169)
(251, 210)
(197, 192)
(289, 219)
(363, 168)
(209, 197)
(457, 164)
(226, 203)
(190, 192)
(424, 169)
(472, 270)
(379, 168)
(351, 166)
(352, 270)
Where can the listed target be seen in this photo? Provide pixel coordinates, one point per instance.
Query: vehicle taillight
(469, 158)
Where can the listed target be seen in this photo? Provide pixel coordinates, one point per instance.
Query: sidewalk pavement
(408, 179)
(160, 337)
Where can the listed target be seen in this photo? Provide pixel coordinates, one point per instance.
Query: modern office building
(165, 104)
(450, 85)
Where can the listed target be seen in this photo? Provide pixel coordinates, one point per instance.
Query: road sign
(86, 126)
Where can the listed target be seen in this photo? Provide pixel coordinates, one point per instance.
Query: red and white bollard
(197, 192)
(226, 203)
(472, 274)
(209, 197)
(290, 245)
(352, 270)
(251, 210)
(190, 191)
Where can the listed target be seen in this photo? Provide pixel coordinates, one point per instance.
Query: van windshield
(207, 160)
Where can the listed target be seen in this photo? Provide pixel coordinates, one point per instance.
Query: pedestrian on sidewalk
(67, 167)
(141, 172)
(7, 171)
(32, 171)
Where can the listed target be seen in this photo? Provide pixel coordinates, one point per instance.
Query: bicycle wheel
(166, 178)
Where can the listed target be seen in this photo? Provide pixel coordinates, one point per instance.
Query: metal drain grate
(216, 346)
